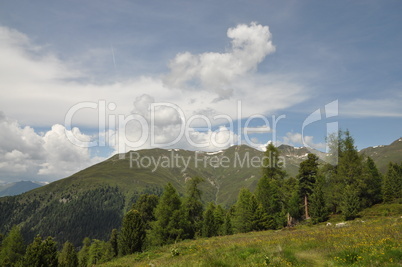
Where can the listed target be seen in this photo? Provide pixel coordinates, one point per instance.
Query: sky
(83, 80)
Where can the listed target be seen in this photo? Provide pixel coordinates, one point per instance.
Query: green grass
(371, 242)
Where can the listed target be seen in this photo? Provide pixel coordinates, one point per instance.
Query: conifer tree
(307, 177)
(392, 184)
(83, 254)
(41, 253)
(193, 207)
(227, 225)
(13, 248)
(209, 225)
(219, 215)
(114, 243)
(319, 211)
(168, 226)
(350, 204)
(243, 214)
(371, 184)
(146, 205)
(68, 256)
(132, 234)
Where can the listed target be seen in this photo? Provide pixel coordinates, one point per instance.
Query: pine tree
(193, 207)
(272, 165)
(392, 183)
(350, 203)
(132, 235)
(209, 225)
(146, 205)
(13, 248)
(243, 215)
(227, 225)
(168, 226)
(307, 177)
(114, 243)
(68, 256)
(83, 254)
(319, 211)
(219, 215)
(370, 187)
(41, 253)
(99, 252)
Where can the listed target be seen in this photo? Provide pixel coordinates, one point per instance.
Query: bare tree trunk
(306, 207)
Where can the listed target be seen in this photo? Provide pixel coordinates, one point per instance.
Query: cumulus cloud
(38, 89)
(25, 154)
(216, 71)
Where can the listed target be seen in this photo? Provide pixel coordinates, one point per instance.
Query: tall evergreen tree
(243, 214)
(132, 235)
(268, 192)
(146, 205)
(193, 207)
(227, 225)
(167, 228)
(68, 256)
(307, 177)
(114, 242)
(83, 254)
(41, 253)
(209, 224)
(350, 204)
(272, 164)
(392, 184)
(13, 248)
(319, 210)
(370, 192)
(219, 215)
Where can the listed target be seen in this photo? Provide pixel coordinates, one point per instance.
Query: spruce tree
(114, 242)
(350, 204)
(392, 183)
(167, 228)
(13, 248)
(193, 207)
(41, 253)
(227, 225)
(219, 215)
(307, 177)
(83, 254)
(243, 214)
(319, 211)
(146, 205)
(68, 256)
(371, 184)
(132, 234)
(209, 224)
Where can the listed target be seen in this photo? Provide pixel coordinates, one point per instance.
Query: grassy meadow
(375, 239)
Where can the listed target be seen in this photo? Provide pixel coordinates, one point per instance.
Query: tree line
(345, 183)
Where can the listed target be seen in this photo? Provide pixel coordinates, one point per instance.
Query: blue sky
(286, 58)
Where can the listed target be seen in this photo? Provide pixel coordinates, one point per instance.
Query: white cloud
(38, 89)
(216, 71)
(24, 154)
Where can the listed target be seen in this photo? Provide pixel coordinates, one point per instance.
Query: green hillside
(371, 241)
(384, 154)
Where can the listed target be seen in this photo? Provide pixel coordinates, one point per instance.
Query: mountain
(384, 154)
(17, 188)
(92, 202)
